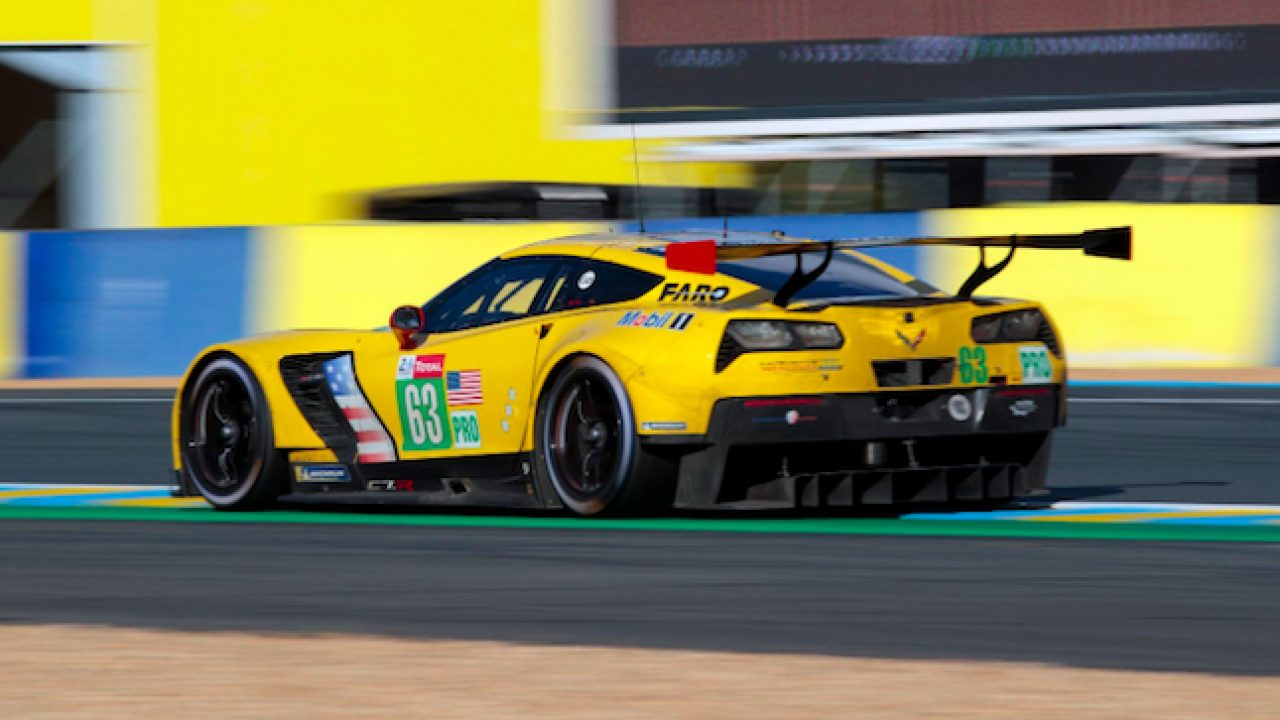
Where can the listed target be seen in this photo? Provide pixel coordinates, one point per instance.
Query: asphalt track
(1147, 605)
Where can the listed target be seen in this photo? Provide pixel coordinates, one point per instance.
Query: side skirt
(477, 481)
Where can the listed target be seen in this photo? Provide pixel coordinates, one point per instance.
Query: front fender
(262, 356)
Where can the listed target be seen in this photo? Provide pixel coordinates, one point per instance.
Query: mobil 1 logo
(655, 319)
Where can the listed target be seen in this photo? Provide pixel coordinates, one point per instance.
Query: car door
(466, 391)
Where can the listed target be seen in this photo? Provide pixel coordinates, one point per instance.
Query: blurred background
(177, 173)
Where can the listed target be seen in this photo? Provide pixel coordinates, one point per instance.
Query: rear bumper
(919, 446)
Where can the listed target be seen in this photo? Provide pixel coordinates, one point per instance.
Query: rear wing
(701, 255)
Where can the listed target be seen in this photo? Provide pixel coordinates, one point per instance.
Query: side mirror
(406, 322)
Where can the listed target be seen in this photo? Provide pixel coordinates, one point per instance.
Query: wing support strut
(800, 279)
(983, 273)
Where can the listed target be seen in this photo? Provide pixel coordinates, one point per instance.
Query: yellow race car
(619, 374)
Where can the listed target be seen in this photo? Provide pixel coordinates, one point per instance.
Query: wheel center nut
(596, 433)
(230, 429)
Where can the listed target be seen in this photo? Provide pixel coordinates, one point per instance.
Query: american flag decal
(373, 444)
(463, 387)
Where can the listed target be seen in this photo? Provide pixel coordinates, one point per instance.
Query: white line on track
(90, 486)
(1157, 506)
(83, 401)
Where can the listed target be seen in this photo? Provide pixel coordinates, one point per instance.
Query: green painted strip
(814, 526)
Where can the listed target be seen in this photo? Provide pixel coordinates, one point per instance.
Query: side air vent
(906, 373)
(304, 377)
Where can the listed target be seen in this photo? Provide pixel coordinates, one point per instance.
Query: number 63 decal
(973, 365)
(422, 414)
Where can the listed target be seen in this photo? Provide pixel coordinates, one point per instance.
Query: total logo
(428, 366)
(655, 319)
(415, 367)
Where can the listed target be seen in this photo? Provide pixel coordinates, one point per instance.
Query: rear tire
(228, 445)
(587, 450)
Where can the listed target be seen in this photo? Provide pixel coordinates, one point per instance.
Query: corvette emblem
(913, 344)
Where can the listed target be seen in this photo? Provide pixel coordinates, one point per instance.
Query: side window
(594, 282)
(503, 290)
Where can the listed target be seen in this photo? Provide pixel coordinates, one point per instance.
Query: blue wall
(120, 303)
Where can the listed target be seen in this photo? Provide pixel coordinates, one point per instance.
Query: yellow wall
(353, 276)
(78, 21)
(12, 303)
(282, 112)
(287, 111)
(1197, 293)
(47, 21)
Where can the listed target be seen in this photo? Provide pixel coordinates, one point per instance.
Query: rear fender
(630, 349)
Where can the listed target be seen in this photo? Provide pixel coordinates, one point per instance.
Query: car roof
(626, 248)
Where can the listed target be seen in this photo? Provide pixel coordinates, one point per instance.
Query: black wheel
(228, 448)
(587, 449)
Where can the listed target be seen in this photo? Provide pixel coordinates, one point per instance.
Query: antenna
(635, 160)
(724, 232)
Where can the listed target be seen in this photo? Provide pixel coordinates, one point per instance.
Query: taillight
(818, 336)
(743, 336)
(761, 334)
(1015, 326)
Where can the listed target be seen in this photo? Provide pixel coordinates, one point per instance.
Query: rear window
(846, 277)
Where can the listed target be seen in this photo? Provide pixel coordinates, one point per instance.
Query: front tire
(587, 449)
(228, 446)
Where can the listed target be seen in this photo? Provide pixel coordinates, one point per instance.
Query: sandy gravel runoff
(96, 672)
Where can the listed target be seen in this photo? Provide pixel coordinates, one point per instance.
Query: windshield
(847, 277)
